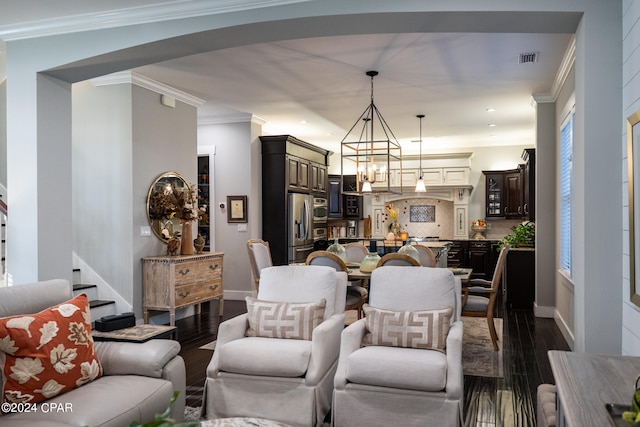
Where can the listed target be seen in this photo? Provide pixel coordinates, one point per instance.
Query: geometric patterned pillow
(48, 353)
(411, 329)
(288, 320)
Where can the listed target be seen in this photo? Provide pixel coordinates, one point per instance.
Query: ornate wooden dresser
(171, 282)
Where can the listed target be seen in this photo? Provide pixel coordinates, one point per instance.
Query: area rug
(192, 413)
(478, 356)
(211, 346)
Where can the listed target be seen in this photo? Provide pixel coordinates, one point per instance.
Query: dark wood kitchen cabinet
(520, 278)
(479, 258)
(347, 206)
(334, 196)
(286, 168)
(529, 184)
(504, 193)
(318, 179)
(298, 174)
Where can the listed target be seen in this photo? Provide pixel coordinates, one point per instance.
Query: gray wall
(123, 139)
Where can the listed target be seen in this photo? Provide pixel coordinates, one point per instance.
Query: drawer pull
(184, 272)
(183, 294)
(213, 267)
(213, 287)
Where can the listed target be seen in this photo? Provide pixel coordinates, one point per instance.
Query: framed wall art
(633, 159)
(236, 208)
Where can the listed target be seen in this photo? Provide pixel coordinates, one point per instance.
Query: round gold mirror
(161, 204)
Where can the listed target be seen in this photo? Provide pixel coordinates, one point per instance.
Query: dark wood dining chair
(479, 298)
(356, 295)
(398, 259)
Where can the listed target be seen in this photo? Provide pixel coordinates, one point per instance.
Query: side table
(138, 333)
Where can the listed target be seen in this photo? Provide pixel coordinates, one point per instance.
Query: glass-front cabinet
(495, 194)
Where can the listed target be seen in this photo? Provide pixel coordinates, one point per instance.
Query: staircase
(3, 243)
(99, 307)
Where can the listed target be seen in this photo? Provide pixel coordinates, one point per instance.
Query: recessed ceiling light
(491, 110)
(492, 125)
(304, 122)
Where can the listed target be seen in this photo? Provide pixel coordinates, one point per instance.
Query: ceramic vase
(395, 229)
(187, 239)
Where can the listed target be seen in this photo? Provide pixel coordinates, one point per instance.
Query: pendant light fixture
(420, 187)
(375, 152)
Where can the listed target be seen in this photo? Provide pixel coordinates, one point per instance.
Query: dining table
(354, 273)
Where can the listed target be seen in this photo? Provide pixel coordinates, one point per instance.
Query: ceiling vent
(526, 58)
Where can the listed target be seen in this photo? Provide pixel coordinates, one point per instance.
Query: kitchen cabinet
(286, 167)
(481, 259)
(520, 278)
(351, 204)
(318, 179)
(456, 254)
(204, 186)
(334, 196)
(455, 176)
(494, 194)
(171, 282)
(298, 174)
(348, 206)
(504, 193)
(529, 184)
(513, 193)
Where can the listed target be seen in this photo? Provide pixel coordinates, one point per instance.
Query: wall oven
(320, 210)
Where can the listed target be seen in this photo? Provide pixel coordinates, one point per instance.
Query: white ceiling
(452, 78)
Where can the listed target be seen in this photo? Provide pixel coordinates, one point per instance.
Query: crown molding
(231, 118)
(129, 77)
(131, 16)
(568, 60)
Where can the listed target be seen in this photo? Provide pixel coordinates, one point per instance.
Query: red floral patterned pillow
(49, 353)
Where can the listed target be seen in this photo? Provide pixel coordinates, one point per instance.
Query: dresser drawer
(195, 292)
(189, 272)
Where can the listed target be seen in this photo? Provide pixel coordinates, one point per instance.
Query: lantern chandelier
(377, 162)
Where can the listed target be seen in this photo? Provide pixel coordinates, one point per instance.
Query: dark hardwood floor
(489, 402)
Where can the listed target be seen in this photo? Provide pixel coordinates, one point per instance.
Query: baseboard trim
(237, 295)
(543, 311)
(564, 329)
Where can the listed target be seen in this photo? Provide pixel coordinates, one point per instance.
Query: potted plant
(523, 235)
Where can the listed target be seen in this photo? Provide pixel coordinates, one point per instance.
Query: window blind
(566, 185)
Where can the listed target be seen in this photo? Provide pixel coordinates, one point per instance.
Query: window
(566, 187)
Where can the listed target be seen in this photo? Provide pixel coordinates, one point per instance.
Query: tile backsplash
(422, 224)
(431, 217)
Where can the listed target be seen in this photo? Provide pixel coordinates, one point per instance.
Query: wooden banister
(3, 207)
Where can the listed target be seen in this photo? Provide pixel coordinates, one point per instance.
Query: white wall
(630, 104)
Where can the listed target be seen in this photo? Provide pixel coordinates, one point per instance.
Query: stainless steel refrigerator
(300, 227)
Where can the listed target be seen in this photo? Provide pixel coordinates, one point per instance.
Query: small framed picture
(236, 208)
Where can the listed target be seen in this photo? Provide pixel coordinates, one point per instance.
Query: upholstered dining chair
(398, 260)
(259, 258)
(427, 258)
(356, 295)
(356, 252)
(278, 360)
(479, 298)
(401, 365)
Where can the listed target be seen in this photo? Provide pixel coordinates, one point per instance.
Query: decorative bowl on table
(478, 227)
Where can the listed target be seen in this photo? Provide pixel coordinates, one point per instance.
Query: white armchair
(287, 380)
(391, 385)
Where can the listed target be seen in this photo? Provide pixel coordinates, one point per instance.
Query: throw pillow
(46, 354)
(410, 329)
(283, 319)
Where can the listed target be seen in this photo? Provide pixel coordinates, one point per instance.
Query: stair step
(100, 303)
(100, 308)
(82, 286)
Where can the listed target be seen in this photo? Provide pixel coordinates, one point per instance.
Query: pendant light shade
(373, 152)
(420, 187)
